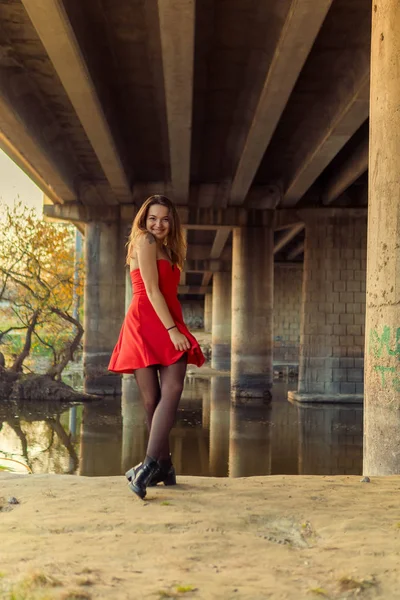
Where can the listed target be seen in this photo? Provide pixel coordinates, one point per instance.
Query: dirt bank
(261, 537)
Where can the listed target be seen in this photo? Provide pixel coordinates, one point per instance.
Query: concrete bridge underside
(256, 119)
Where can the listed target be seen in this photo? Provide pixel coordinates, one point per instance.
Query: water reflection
(39, 435)
(211, 437)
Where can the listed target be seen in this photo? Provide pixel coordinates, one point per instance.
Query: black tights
(161, 400)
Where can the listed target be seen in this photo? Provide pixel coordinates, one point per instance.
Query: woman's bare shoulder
(144, 240)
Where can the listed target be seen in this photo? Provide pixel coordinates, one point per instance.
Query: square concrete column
(382, 350)
(208, 312)
(104, 304)
(221, 321)
(252, 308)
(333, 306)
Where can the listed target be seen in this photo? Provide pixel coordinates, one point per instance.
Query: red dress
(143, 340)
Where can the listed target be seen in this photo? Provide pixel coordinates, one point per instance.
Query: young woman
(154, 342)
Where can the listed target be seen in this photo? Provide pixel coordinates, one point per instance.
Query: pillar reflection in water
(206, 405)
(101, 438)
(134, 429)
(330, 439)
(220, 403)
(250, 441)
(285, 437)
(189, 436)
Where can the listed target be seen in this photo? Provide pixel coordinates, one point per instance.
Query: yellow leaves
(37, 269)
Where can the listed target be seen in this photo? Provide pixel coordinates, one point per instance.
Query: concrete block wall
(333, 310)
(287, 310)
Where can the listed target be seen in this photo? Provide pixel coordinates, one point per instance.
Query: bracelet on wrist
(172, 327)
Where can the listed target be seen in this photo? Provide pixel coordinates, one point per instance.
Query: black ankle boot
(143, 474)
(165, 475)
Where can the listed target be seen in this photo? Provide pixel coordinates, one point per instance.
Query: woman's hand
(179, 340)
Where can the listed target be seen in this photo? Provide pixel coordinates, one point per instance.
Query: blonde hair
(176, 242)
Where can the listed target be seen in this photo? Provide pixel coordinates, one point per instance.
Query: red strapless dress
(143, 340)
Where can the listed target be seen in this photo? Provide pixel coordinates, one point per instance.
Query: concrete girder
(207, 266)
(346, 116)
(206, 278)
(194, 289)
(39, 166)
(177, 25)
(221, 237)
(288, 236)
(55, 31)
(297, 250)
(298, 34)
(347, 173)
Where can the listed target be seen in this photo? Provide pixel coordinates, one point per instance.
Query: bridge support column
(208, 312)
(104, 304)
(252, 308)
(382, 368)
(221, 321)
(333, 307)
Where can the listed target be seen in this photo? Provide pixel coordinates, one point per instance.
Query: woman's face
(158, 221)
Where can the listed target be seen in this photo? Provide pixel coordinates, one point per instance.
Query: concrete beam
(347, 173)
(206, 278)
(221, 237)
(177, 24)
(285, 238)
(286, 217)
(297, 250)
(338, 124)
(55, 31)
(298, 34)
(79, 213)
(44, 170)
(194, 289)
(207, 266)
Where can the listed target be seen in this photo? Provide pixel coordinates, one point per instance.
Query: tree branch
(70, 348)
(17, 366)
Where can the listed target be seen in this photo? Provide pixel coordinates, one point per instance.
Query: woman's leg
(149, 387)
(172, 380)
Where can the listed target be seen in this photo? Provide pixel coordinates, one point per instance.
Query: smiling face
(158, 221)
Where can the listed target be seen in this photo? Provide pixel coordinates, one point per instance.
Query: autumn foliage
(37, 291)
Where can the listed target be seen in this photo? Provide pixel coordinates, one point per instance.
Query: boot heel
(130, 474)
(170, 478)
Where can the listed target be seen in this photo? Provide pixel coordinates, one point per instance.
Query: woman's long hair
(175, 242)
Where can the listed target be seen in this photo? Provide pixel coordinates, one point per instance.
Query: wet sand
(280, 537)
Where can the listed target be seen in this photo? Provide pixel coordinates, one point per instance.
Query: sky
(14, 183)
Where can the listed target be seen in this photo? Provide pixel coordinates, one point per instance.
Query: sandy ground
(275, 537)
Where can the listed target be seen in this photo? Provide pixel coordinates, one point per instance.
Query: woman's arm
(146, 250)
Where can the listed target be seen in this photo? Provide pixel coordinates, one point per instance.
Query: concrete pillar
(252, 308)
(207, 312)
(219, 426)
(333, 306)
(221, 321)
(382, 372)
(104, 304)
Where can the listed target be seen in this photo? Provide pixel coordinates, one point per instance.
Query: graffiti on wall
(383, 347)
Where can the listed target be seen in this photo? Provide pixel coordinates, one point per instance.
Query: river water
(211, 438)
